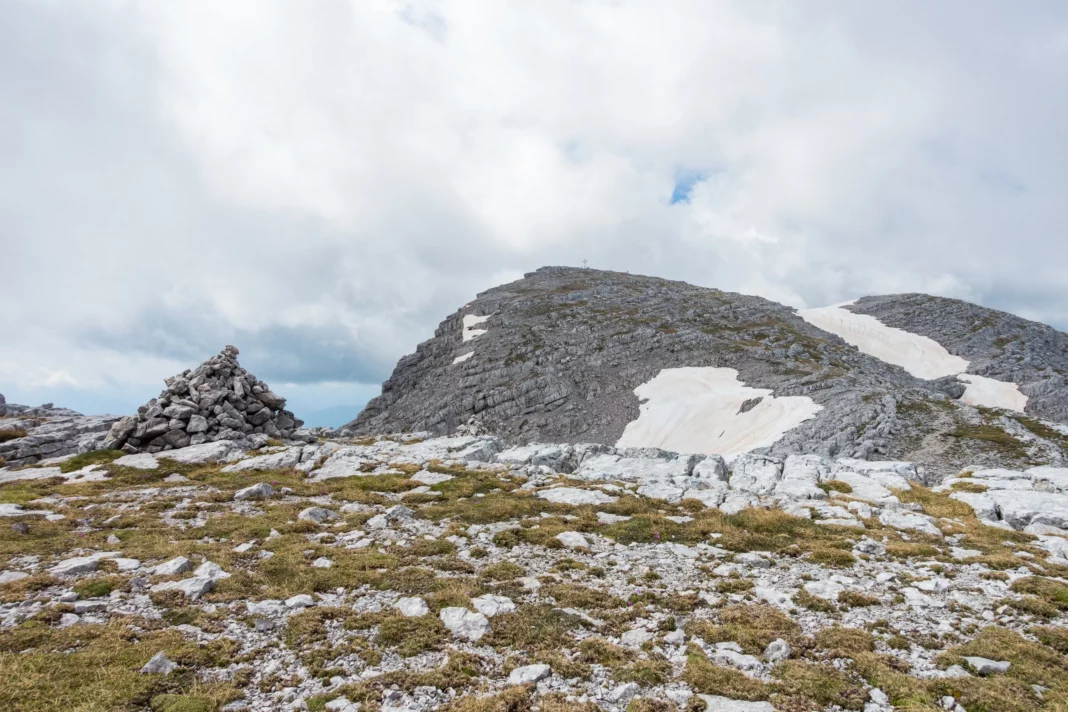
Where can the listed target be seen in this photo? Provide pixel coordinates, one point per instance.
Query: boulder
(263, 490)
(464, 623)
(529, 674)
(159, 665)
(413, 607)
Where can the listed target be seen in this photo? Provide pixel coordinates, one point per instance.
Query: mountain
(571, 355)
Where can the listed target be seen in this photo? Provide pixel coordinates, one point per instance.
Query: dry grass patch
(95, 668)
(752, 627)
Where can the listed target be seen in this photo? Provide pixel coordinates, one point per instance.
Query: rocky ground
(455, 574)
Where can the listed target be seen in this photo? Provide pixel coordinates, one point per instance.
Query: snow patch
(989, 393)
(922, 357)
(463, 357)
(698, 410)
(470, 322)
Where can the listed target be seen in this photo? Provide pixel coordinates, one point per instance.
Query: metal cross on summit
(585, 265)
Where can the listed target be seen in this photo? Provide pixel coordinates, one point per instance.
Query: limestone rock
(528, 674)
(464, 623)
(263, 490)
(159, 665)
(413, 607)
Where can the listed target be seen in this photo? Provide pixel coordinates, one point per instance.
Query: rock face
(557, 357)
(218, 400)
(29, 435)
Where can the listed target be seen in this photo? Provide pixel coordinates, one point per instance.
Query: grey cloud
(321, 183)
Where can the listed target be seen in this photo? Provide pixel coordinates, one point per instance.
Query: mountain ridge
(558, 354)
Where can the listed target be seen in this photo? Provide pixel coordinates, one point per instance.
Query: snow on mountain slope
(700, 410)
(922, 357)
(469, 332)
(919, 355)
(991, 393)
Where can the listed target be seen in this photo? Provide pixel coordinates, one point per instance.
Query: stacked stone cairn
(218, 400)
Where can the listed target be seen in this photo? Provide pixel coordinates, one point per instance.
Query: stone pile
(218, 400)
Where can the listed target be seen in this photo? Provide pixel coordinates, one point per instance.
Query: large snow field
(922, 357)
(697, 410)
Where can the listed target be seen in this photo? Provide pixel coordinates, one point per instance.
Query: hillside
(573, 355)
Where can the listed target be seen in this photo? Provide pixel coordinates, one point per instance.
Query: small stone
(879, 697)
(318, 515)
(636, 637)
(211, 570)
(777, 651)
(985, 666)
(412, 607)
(193, 588)
(10, 576)
(824, 589)
(754, 559)
(464, 623)
(573, 540)
(623, 692)
(322, 563)
(575, 496)
(491, 605)
(715, 703)
(302, 600)
(20, 528)
(529, 674)
(159, 665)
(675, 637)
(263, 490)
(177, 565)
(75, 567)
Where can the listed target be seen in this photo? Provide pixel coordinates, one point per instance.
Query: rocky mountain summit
(217, 400)
(570, 355)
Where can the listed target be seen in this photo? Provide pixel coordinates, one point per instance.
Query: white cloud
(325, 181)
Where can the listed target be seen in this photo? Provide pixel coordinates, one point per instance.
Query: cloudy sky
(320, 183)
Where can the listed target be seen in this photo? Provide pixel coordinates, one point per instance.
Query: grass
(93, 668)
(12, 434)
(1053, 593)
(323, 637)
(844, 642)
(96, 457)
(968, 487)
(994, 436)
(836, 486)
(752, 627)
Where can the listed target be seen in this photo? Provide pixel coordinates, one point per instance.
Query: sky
(320, 184)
